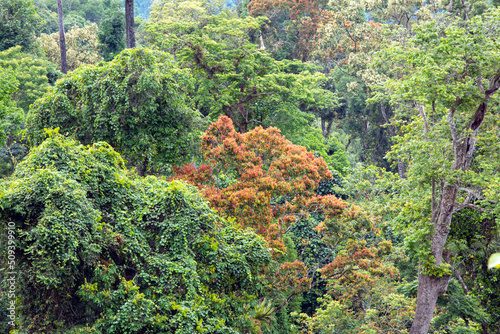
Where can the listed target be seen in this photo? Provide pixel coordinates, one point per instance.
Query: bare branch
(477, 194)
(462, 283)
(460, 206)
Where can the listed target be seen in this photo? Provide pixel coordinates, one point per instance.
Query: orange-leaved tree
(260, 178)
(263, 181)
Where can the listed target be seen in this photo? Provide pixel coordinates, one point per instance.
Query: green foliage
(112, 35)
(137, 103)
(233, 75)
(11, 121)
(19, 24)
(10, 115)
(82, 47)
(362, 121)
(76, 12)
(114, 253)
(104, 251)
(437, 75)
(31, 73)
(459, 307)
(376, 309)
(185, 11)
(298, 127)
(444, 80)
(472, 240)
(337, 158)
(312, 249)
(33, 76)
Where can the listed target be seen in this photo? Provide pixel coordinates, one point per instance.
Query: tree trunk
(392, 130)
(348, 144)
(129, 23)
(428, 290)
(401, 169)
(484, 328)
(62, 39)
(430, 287)
(142, 168)
(326, 127)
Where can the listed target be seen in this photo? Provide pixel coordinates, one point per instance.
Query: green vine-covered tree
(102, 250)
(137, 103)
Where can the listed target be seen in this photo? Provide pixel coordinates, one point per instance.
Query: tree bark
(129, 23)
(484, 328)
(430, 287)
(401, 169)
(62, 39)
(348, 144)
(428, 290)
(326, 127)
(142, 168)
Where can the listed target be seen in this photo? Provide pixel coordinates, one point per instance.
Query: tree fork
(430, 287)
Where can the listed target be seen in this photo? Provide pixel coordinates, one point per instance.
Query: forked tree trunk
(326, 127)
(430, 287)
(62, 39)
(129, 23)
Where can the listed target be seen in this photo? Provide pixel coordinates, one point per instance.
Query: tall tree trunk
(430, 287)
(62, 39)
(484, 328)
(401, 169)
(262, 46)
(129, 23)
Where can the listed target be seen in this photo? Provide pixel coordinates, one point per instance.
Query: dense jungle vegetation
(250, 166)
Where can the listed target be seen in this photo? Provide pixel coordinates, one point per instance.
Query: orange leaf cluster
(272, 181)
(293, 276)
(265, 182)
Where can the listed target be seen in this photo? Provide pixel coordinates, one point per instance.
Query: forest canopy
(266, 167)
